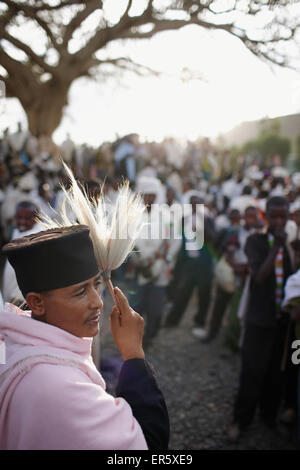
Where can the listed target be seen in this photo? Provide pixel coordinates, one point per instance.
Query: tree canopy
(46, 45)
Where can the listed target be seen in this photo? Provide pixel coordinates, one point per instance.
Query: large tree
(46, 45)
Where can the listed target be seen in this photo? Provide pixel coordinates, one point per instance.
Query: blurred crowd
(244, 250)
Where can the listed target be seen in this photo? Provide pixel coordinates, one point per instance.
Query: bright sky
(237, 87)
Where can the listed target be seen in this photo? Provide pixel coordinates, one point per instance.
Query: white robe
(152, 238)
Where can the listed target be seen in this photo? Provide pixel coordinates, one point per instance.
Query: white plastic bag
(224, 275)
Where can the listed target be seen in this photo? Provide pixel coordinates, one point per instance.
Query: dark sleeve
(219, 242)
(256, 252)
(209, 230)
(138, 386)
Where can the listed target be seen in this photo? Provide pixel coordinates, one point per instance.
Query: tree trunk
(45, 110)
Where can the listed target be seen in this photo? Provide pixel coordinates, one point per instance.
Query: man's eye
(98, 284)
(80, 293)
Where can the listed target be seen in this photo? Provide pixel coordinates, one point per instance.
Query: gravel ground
(199, 382)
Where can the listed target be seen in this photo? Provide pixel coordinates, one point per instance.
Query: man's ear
(35, 302)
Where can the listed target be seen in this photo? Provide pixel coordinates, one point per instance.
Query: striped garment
(279, 279)
(278, 276)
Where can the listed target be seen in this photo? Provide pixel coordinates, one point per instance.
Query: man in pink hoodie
(52, 396)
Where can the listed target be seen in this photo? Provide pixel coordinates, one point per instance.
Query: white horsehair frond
(113, 228)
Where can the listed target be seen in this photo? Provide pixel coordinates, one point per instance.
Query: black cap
(52, 259)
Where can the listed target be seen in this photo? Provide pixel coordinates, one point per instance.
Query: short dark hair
(27, 205)
(247, 190)
(90, 184)
(277, 201)
(234, 212)
(250, 208)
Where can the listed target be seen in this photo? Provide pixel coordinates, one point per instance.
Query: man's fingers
(115, 317)
(122, 300)
(115, 310)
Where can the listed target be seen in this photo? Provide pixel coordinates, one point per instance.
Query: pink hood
(51, 394)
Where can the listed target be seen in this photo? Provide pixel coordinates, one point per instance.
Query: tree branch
(38, 60)
(129, 4)
(91, 6)
(42, 6)
(167, 25)
(23, 77)
(32, 13)
(103, 37)
(13, 66)
(20, 80)
(126, 63)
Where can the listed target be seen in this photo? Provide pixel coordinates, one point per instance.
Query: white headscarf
(296, 179)
(28, 182)
(292, 288)
(151, 185)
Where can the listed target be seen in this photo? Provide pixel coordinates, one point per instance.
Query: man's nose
(95, 300)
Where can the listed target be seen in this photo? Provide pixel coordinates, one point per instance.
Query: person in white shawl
(244, 200)
(155, 255)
